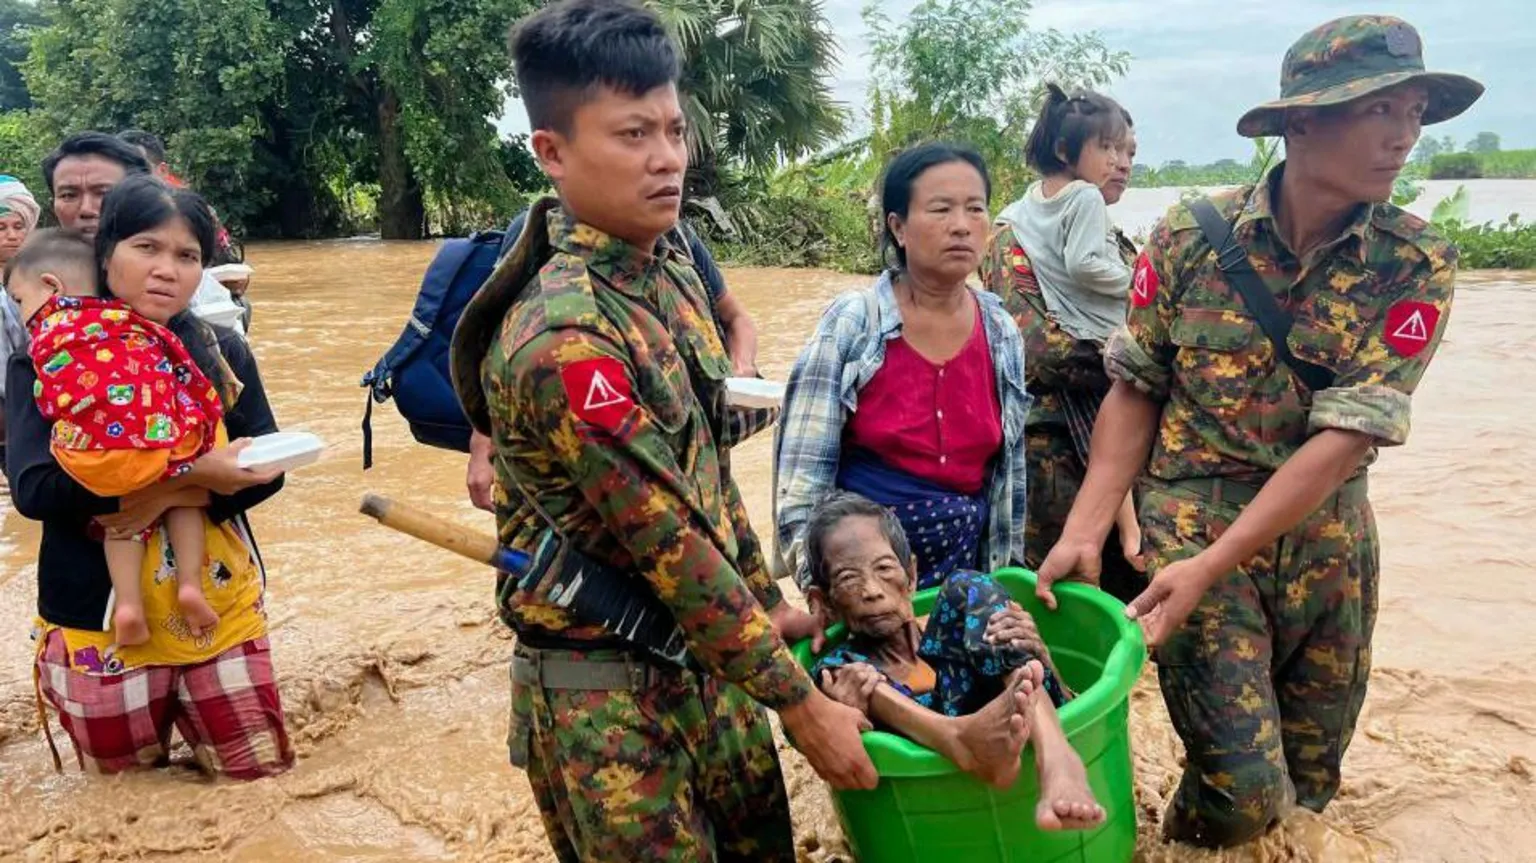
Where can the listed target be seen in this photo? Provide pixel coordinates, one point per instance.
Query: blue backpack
(415, 373)
(415, 370)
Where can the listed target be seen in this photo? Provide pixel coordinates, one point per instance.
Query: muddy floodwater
(393, 666)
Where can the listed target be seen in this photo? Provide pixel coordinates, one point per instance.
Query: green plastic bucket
(925, 809)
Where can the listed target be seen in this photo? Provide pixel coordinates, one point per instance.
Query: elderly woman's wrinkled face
(946, 224)
(156, 272)
(867, 587)
(13, 232)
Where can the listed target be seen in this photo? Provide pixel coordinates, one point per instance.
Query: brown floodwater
(392, 664)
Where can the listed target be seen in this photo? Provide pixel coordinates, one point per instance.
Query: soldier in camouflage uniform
(1055, 362)
(1264, 549)
(590, 360)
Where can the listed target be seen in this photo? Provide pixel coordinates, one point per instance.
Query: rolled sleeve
(1374, 385)
(1126, 360)
(1379, 411)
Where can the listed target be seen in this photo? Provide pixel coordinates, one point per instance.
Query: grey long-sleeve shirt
(1071, 246)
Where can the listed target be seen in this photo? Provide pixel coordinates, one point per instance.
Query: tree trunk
(402, 212)
(297, 209)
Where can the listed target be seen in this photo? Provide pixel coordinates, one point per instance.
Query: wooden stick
(442, 533)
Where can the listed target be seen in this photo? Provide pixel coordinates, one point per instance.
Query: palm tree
(755, 82)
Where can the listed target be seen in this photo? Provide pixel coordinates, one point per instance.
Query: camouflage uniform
(1266, 679)
(600, 390)
(1054, 361)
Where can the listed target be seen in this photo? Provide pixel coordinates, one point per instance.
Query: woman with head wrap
(18, 216)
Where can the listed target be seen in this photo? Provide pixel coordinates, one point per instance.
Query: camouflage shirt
(594, 416)
(1054, 359)
(1370, 306)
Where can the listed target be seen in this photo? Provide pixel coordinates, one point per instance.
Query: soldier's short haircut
(52, 250)
(830, 513)
(564, 53)
(1066, 123)
(99, 144)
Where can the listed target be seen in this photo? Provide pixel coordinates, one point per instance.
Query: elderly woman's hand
(1014, 627)
(220, 472)
(852, 684)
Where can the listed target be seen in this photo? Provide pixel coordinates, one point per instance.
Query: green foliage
(17, 18)
(1405, 191)
(756, 81)
(1455, 166)
(1485, 142)
(1508, 245)
(23, 144)
(1509, 165)
(195, 71)
(974, 71)
(448, 77)
(280, 110)
(812, 214)
(1223, 172)
(1456, 208)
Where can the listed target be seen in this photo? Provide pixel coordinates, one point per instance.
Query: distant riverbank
(1488, 201)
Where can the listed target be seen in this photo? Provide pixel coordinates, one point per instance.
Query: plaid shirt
(823, 390)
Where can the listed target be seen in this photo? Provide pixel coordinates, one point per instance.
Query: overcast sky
(1197, 65)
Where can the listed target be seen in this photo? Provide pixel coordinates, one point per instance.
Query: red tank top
(938, 421)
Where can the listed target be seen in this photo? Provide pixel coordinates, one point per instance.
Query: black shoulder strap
(1275, 321)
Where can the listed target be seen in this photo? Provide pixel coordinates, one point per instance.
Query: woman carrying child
(118, 702)
(1064, 273)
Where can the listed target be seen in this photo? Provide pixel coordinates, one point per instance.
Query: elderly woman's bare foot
(1066, 801)
(991, 740)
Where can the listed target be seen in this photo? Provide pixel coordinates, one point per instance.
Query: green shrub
(1509, 165)
(23, 144)
(1507, 245)
(1456, 166)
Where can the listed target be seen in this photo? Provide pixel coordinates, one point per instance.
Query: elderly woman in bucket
(974, 683)
(911, 392)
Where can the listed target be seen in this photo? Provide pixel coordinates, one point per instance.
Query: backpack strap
(1232, 258)
(482, 318)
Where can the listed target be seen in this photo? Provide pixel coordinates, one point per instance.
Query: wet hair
(565, 52)
(143, 203)
(99, 144)
(1066, 123)
(830, 513)
(52, 250)
(149, 142)
(901, 176)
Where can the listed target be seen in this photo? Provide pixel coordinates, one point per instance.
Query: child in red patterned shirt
(129, 409)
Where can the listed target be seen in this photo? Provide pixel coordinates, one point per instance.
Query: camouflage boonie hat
(1349, 58)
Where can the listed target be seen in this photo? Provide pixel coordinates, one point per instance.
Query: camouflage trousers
(1054, 476)
(679, 767)
(1266, 679)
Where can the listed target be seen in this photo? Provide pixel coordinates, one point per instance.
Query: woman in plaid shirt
(911, 392)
